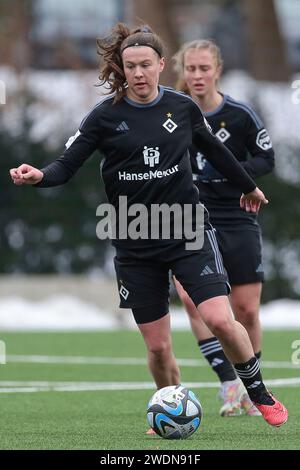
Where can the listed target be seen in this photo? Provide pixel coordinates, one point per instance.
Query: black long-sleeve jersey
(242, 131)
(145, 149)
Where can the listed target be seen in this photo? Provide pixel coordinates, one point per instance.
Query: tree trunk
(157, 14)
(14, 35)
(267, 54)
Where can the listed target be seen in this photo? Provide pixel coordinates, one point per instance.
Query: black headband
(139, 44)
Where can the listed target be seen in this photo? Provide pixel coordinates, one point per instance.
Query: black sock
(249, 373)
(213, 352)
(258, 355)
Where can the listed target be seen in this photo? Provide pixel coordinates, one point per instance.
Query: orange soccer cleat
(275, 414)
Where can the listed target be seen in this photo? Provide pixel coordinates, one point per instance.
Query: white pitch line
(279, 365)
(77, 360)
(126, 361)
(31, 387)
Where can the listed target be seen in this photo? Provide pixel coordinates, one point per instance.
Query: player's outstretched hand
(26, 174)
(251, 202)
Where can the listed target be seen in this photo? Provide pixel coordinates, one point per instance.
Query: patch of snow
(54, 313)
(279, 314)
(67, 313)
(59, 100)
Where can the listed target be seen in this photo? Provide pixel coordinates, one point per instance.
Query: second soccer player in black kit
(199, 66)
(144, 131)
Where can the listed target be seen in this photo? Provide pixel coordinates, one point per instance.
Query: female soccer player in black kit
(199, 65)
(144, 131)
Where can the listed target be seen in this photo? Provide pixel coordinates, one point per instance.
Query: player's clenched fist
(26, 174)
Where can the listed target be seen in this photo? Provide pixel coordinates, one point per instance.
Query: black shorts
(143, 280)
(242, 254)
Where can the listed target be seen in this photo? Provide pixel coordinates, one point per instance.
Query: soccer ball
(174, 412)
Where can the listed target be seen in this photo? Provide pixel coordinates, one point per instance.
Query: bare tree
(158, 15)
(267, 54)
(14, 36)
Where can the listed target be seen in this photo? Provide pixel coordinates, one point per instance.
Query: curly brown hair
(110, 50)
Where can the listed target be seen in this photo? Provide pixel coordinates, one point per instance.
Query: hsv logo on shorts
(124, 292)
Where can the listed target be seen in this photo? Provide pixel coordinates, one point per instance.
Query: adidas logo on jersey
(206, 270)
(123, 127)
(260, 268)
